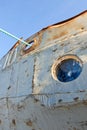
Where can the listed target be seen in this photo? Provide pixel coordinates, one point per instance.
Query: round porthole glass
(68, 70)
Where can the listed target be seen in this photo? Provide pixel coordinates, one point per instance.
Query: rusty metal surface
(30, 97)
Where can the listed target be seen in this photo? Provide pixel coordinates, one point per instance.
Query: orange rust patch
(29, 123)
(62, 44)
(13, 122)
(17, 43)
(53, 37)
(62, 33)
(85, 102)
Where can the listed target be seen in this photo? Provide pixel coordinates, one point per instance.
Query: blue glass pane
(68, 70)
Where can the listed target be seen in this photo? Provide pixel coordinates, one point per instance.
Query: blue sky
(24, 17)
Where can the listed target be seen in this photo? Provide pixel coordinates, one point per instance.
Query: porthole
(67, 68)
(28, 46)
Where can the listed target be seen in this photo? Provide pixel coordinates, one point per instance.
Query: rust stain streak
(14, 122)
(33, 74)
(0, 121)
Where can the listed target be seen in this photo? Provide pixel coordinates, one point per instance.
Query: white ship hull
(31, 95)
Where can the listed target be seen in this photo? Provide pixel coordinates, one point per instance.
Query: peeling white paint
(30, 98)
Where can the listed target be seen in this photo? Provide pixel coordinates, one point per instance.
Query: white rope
(11, 35)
